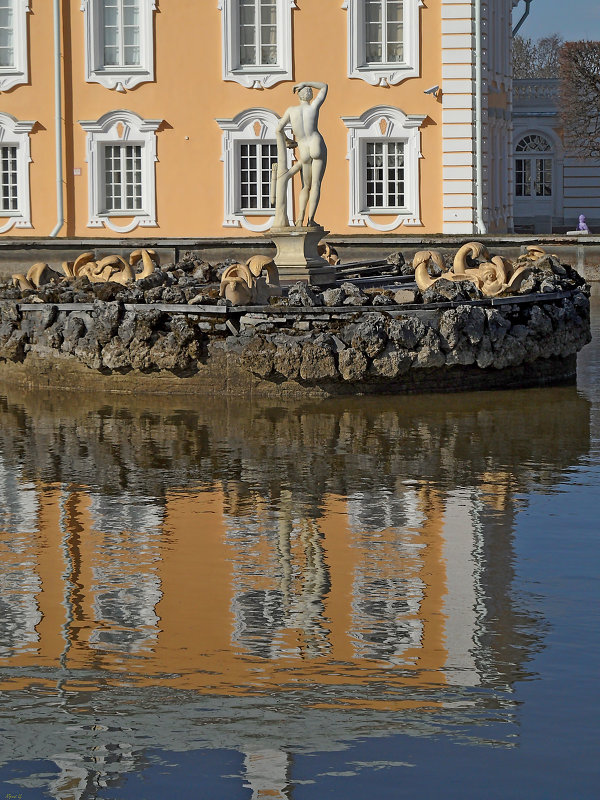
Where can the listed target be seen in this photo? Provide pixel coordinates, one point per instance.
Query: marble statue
(312, 155)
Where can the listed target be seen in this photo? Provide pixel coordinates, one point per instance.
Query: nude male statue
(312, 154)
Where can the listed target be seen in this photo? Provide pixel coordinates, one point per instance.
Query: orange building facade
(157, 119)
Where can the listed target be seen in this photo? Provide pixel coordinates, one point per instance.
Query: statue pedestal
(297, 258)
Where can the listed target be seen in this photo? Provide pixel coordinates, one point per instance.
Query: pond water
(394, 597)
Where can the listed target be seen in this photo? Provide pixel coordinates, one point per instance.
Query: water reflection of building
(380, 583)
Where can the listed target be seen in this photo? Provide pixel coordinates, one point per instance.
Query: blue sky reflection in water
(388, 597)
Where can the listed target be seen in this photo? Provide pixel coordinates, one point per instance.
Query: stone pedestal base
(297, 257)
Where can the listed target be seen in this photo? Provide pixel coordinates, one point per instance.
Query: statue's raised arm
(312, 154)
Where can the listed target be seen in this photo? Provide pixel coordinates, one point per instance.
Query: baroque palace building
(157, 117)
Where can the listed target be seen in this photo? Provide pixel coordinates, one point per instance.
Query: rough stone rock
(15, 346)
(288, 358)
(318, 362)
(172, 294)
(74, 329)
(168, 352)
(462, 325)
(156, 278)
(485, 353)
(139, 355)
(109, 291)
(511, 352)
(302, 295)
(430, 352)
(258, 356)
(334, 297)
(406, 332)
(106, 318)
(352, 364)
(405, 296)
(549, 285)
(550, 264)
(529, 285)
(392, 362)
(397, 261)
(9, 312)
(146, 323)
(497, 326)
(370, 336)
(88, 351)
(444, 290)
(115, 355)
(539, 323)
(182, 329)
(382, 300)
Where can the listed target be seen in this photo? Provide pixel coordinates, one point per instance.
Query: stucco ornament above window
(121, 153)
(384, 148)
(15, 158)
(257, 41)
(13, 43)
(383, 40)
(119, 43)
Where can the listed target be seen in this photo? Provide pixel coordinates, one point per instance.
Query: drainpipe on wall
(523, 18)
(481, 227)
(58, 122)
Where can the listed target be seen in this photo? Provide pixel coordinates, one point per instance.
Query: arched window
(13, 43)
(384, 147)
(121, 153)
(14, 172)
(119, 47)
(249, 152)
(383, 40)
(257, 41)
(533, 166)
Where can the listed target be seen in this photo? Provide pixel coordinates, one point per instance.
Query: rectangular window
(523, 177)
(122, 178)
(385, 175)
(8, 158)
(384, 31)
(7, 34)
(121, 33)
(258, 32)
(543, 178)
(256, 163)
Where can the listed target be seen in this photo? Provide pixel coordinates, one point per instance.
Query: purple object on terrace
(582, 224)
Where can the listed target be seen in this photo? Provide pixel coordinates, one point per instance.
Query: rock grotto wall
(298, 349)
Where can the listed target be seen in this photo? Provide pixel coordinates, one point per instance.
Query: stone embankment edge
(485, 344)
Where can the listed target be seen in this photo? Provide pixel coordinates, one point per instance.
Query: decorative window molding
(13, 48)
(386, 127)
(119, 49)
(15, 157)
(255, 127)
(237, 46)
(386, 70)
(127, 136)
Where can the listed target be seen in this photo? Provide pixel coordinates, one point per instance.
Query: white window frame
(120, 127)
(18, 73)
(383, 123)
(256, 77)
(383, 74)
(252, 126)
(119, 78)
(15, 133)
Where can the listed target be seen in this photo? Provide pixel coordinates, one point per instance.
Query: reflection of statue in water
(312, 155)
